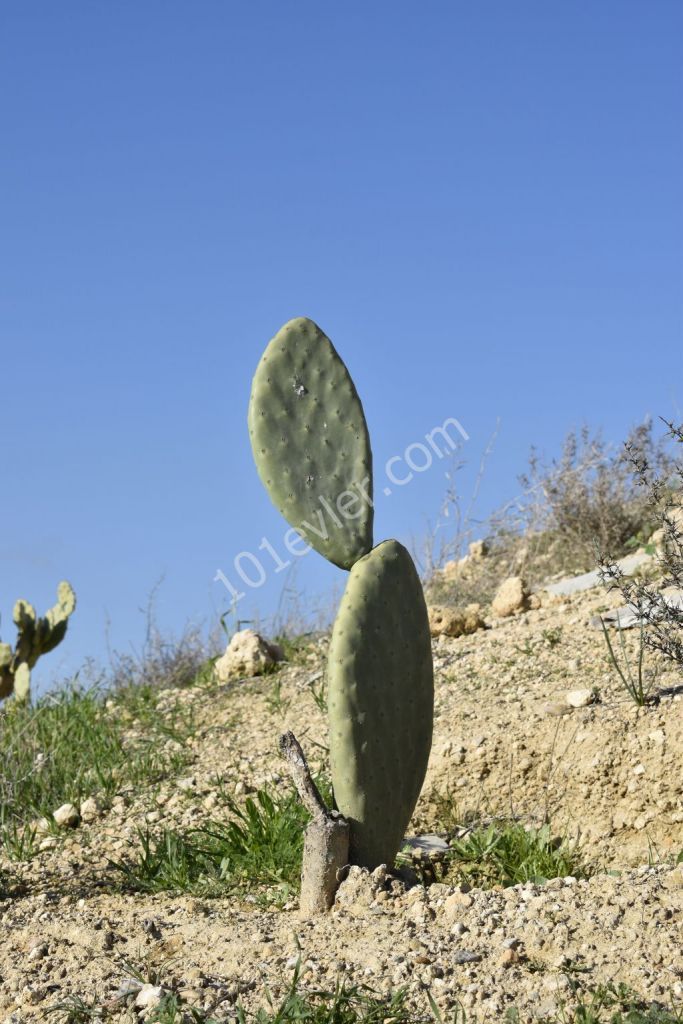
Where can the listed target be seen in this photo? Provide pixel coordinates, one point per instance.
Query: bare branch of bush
(661, 485)
(587, 496)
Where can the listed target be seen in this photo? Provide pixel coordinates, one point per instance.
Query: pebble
(464, 956)
(580, 698)
(67, 816)
(149, 997)
(556, 710)
(90, 810)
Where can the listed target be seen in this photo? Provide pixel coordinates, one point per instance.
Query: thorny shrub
(663, 495)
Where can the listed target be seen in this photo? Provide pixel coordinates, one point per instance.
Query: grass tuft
(610, 1004)
(77, 743)
(507, 853)
(256, 852)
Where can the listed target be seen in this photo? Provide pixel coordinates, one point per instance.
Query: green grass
(347, 1003)
(633, 678)
(256, 851)
(610, 1004)
(74, 744)
(350, 1003)
(506, 853)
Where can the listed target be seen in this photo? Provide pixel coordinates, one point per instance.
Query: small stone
(453, 621)
(556, 709)
(509, 957)
(33, 994)
(477, 550)
(464, 956)
(66, 816)
(454, 905)
(511, 597)
(247, 654)
(39, 951)
(187, 784)
(580, 698)
(127, 988)
(90, 810)
(149, 997)
(429, 845)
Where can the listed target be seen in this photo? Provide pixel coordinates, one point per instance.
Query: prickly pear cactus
(312, 451)
(311, 444)
(35, 636)
(380, 699)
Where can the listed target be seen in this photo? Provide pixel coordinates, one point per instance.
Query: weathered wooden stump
(326, 844)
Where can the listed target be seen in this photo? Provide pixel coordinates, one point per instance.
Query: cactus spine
(36, 635)
(312, 451)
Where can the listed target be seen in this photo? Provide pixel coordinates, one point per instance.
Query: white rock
(66, 816)
(580, 698)
(247, 654)
(426, 845)
(188, 784)
(477, 550)
(90, 810)
(511, 597)
(149, 997)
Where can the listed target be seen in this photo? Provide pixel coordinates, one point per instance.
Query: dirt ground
(608, 776)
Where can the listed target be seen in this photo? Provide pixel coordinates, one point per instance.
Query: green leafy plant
(634, 680)
(612, 1004)
(257, 850)
(36, 636)
(277, 704)
(318, 688)
(78, 743)
(506, 853)
(312, 451)
(347, 1003)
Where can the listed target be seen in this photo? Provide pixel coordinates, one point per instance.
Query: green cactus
(35, 636)
(380, 699)
(312, 451)
(311, 444)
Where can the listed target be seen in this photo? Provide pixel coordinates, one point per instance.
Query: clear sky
(479, 202)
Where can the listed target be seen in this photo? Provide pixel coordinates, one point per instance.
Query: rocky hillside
(532, 726)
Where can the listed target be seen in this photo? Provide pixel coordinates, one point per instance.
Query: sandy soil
(505, 743)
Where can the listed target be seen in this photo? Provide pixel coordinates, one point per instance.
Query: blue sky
(479, 203)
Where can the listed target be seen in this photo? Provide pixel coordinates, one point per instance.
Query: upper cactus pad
(311, 444)
(380, 699)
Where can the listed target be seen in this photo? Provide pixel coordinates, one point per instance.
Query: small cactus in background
(311, 447)
(36, 635)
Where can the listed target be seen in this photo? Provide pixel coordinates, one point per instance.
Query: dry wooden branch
(326, 844)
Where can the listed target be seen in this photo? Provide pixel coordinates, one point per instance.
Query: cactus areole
(312, 451)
